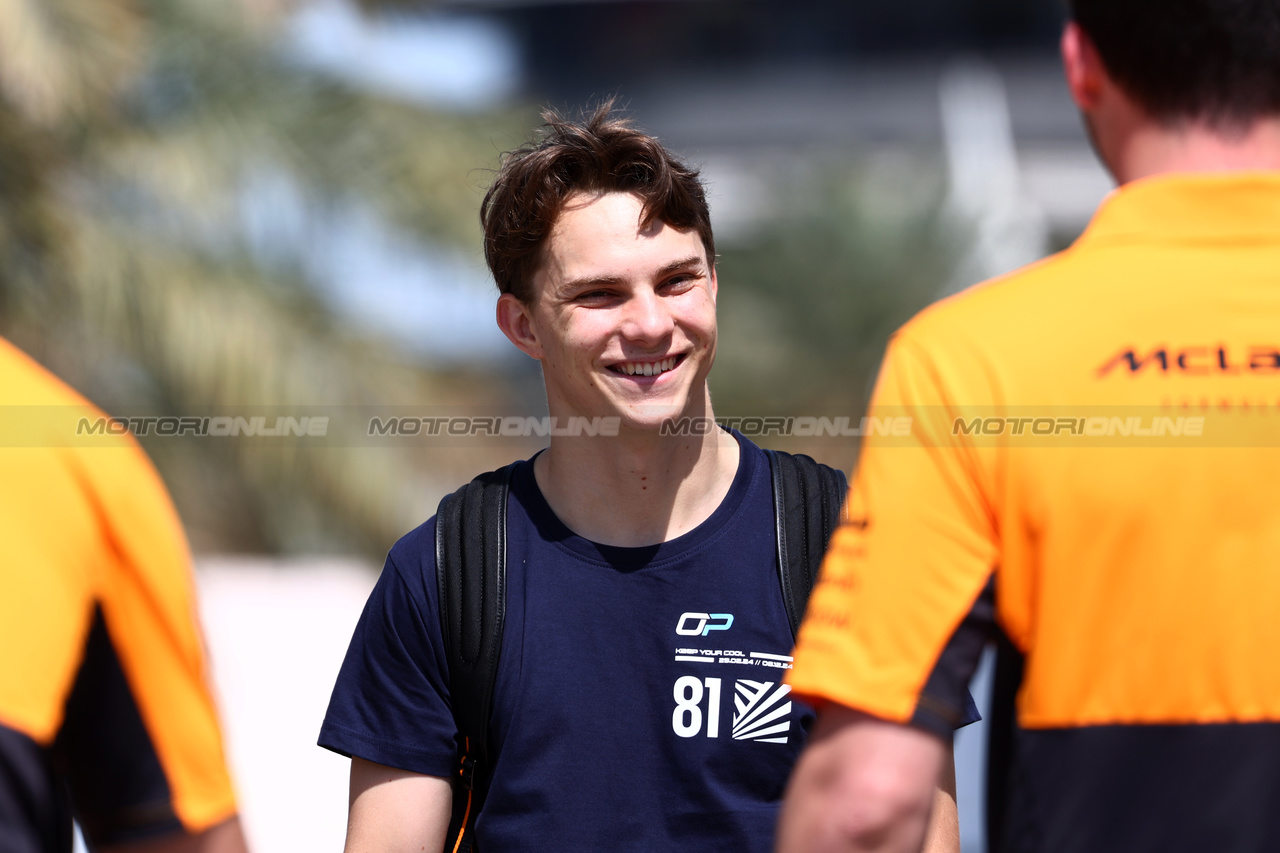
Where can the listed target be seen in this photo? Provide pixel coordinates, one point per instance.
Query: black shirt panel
(1145, 789)
(106, 755)
(34, 815)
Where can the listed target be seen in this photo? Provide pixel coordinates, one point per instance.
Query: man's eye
(594, 297)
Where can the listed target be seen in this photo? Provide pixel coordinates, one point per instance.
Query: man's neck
(637, 488)
(1153, 149)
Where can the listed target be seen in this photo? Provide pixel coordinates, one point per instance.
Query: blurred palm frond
(133, 135)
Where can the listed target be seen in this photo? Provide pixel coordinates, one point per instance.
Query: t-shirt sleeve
(143, 683)
(390, 704)
(904, 603)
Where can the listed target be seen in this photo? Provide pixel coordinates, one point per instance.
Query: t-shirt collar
(1212, 207)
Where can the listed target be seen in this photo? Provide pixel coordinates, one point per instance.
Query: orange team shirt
(89, 543)
(1092, 471)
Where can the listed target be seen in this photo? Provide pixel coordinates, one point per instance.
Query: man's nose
(648, 318)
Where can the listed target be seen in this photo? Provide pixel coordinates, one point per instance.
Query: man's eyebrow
(596, 281)
(591, 281)
(683, 263)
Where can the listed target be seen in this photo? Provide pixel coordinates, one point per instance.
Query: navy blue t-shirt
(639, 703)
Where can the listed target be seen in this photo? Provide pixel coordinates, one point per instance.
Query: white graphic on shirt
(734, 656)
(762, 709)
(703, 623)
(757, 711)
(760, 714)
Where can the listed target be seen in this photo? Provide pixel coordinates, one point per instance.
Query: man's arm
(864, 785)
(396, 810)
(943, 835)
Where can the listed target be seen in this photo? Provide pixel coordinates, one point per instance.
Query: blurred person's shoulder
(39, 411)
(1155, 240)
(1009, 333)
(1029, 301)
(25, 382)
(55, 430)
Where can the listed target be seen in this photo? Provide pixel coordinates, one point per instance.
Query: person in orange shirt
(1089, 481)
(105, 708)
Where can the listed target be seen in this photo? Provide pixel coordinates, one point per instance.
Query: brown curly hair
(602, 154)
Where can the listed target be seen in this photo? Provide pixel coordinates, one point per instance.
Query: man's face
(623, 319)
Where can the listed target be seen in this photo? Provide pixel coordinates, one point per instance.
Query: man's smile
(647, 368)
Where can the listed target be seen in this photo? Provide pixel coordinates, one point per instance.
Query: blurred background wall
(266, 208)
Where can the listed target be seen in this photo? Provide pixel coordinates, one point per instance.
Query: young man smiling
(623, 321)
(638, 701)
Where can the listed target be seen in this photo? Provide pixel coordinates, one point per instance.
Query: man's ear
(715, 285)
(1082, 64)
(515, 319)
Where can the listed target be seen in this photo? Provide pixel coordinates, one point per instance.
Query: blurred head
(1210, 62)
(602, 154)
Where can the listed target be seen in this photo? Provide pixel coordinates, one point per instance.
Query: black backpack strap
(471, 570)
(807, 497)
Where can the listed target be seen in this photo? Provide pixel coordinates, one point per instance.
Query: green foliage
(809, 299)
(131, 134)
(133, 131)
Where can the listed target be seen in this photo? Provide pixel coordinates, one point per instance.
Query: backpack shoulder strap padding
(807, 498)
(471, 573)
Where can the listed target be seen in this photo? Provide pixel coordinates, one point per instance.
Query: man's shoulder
(748, 446)
(1000, 305)
(1051, 319)
(416, 546)
(25, 382)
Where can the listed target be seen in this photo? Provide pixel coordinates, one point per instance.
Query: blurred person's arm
(226, 837)
(943, 835)
(394, 810)
(864, 784)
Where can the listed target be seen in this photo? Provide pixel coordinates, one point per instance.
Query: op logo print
(703, 623)
(756, 711)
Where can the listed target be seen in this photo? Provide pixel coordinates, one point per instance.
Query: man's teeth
(651, 368)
